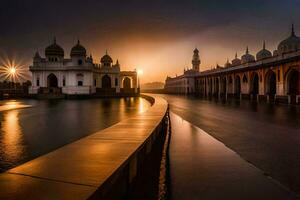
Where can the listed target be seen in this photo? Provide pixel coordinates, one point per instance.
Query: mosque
(269, 76)
(79, 75)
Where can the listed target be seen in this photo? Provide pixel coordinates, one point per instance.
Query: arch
(217, 85)
(52, 80)
(237, 84)
(254, 84)
(79, 78)
(224, 85)
(293, 82)
(270, 83)
(245, 79)
(127, 83)
(106, 81)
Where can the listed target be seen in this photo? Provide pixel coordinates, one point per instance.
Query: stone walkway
(201, 167)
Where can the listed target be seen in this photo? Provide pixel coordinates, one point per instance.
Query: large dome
(54, 50)
(264, 53)
(106, 59)
(236, 61)
(290, 44)
(246, 58)
(78, 50)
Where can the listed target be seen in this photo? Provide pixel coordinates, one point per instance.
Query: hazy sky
(155, 36)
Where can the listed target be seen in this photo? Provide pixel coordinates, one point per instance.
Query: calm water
(28, 132)
(266, 135)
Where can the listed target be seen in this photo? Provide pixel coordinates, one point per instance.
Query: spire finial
(54, 40)
(236, 55)
(106, 52)
(117, 61)
(78, 41)
(247, 50)
(264, 45)
(293, 30)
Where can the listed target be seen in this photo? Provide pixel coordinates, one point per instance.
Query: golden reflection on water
(143, 105)
(12, 104)
(12, 135)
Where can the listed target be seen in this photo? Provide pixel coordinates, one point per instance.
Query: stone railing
(113, 163)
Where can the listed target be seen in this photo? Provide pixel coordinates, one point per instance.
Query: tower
(196, 60)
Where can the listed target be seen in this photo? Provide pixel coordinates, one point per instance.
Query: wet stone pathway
(201, 167)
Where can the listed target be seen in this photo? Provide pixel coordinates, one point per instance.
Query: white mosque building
(79, 74)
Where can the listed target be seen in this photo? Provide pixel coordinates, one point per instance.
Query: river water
(266, 135)
(30, 128)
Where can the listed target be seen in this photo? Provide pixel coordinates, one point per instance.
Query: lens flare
(12, 69)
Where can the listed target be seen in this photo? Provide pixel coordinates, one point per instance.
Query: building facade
(79, 74)
(267, 76)
(185, 83)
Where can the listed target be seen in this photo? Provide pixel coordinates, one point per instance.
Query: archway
(52, 81)
(237, 85)
(217, 86)
(106, 82)
(210, 86)
(255, 84)
(270, 83)
(224, 85)
(293, 82)
(127, 83)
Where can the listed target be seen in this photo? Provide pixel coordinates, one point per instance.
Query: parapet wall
(110, 164)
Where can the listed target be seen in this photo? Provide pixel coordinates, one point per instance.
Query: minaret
(196, 60)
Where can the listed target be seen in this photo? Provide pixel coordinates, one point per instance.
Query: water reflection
(48, 125)
(11, 138)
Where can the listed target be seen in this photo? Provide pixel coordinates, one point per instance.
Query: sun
(12, 71)
(140, 72)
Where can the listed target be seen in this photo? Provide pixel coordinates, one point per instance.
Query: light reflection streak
(12, 137)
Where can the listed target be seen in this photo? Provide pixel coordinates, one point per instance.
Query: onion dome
(106, 59)
(246, 58)
(196, 51)
(264, 53)
(290, 44)
(236, 61)
(54, 50)
(275, 53)
(78, 50)
(227, 64)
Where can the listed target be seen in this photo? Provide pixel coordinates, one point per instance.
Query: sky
(156, 36)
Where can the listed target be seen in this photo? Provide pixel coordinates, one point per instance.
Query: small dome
(106, 59)
(227, 64)
(247, 57)
(290, 44)
(78, 50)
(264, 53)
(196, 50)
(236, 61)
(54, 50)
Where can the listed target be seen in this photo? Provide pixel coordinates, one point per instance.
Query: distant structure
(185, 83)
(267, 76)
(79, 74)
